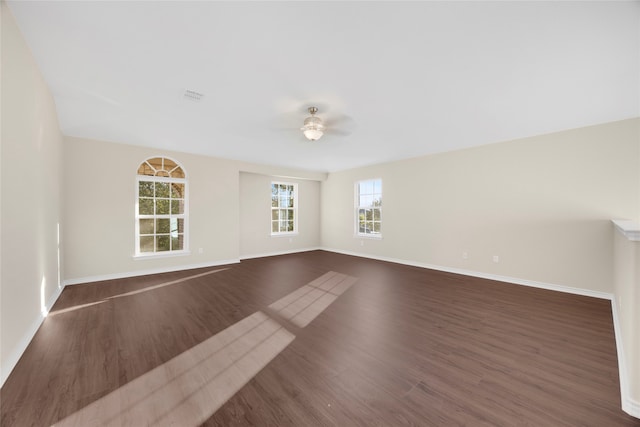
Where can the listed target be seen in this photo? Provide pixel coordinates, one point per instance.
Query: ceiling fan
(317, 123)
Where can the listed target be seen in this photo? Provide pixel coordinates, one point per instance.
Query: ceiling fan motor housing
(313, 128)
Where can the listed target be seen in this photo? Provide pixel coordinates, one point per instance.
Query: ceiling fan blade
(338, 132)
(340, 124)
(285, 121)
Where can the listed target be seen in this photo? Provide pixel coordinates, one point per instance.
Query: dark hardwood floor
(399, 346)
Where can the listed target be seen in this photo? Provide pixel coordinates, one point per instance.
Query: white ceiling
(406, 78)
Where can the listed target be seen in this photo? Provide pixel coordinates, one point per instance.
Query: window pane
(177, 226)
(162, 189)
(376, 214)
(146, 243)
(366, 187)
(162, 207)
(156, 163)
(145, 189)
(361, 225)
(146, 226)
(145, 169)
(177, 191)
(290, 226)
(177, 242)
(145, 206)
(274, 226)
(177, 173)
(162, 225)
(366, 201)
(163, 243)
(368, 214)
(291, 214)
(177, 207)
(168, 164)
(376, 227)
(274, 214)
(377, 186)
(160, 166)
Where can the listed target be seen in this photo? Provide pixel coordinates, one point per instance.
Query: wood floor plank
(394, 345)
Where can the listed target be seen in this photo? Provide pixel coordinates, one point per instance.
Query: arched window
(161, 207)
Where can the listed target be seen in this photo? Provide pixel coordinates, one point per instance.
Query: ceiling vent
(192, 95)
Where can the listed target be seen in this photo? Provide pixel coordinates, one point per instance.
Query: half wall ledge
(630, 229)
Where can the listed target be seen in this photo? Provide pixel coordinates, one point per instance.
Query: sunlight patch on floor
(191, 387)
(306, 303)
(137, 291)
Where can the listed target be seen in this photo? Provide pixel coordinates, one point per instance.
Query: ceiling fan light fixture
(313, 128)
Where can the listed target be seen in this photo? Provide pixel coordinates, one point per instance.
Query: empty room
(320, 213)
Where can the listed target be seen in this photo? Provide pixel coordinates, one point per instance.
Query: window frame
(294, 209)
(184, 216)
(358, 207)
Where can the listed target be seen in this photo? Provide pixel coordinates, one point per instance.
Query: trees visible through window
(369, 207)
(161, 203)
(284, 208)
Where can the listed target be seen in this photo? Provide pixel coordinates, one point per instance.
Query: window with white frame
(369, 208)
(284, 208)
(161, 207)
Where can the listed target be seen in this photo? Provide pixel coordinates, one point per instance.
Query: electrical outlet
(465, 255)
(496, 258)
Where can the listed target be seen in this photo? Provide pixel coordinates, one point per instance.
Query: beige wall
(31, 146)
(542, 204)
(627, 300)
(100, 184)
(255, 215)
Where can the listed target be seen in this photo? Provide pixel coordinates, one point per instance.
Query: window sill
(156, 255)
(368, 236)
(294, 233)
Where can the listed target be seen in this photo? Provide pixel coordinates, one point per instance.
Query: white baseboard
(10, 362)
(629, 405)
(515, 280)
(268, 254)
(112, 276)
